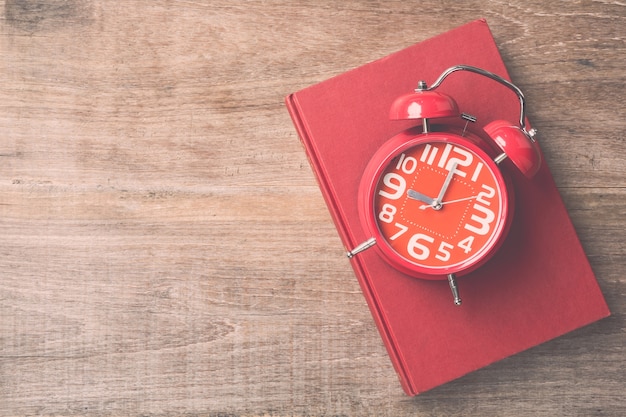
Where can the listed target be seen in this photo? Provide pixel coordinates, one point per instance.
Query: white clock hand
(421, 197)
(425, 206)
(437, 203)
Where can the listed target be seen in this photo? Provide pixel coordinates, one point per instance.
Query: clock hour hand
(421, 197)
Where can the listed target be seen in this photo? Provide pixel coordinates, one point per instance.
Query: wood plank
(165, 249)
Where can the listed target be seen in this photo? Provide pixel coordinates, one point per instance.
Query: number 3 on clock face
(436, 204)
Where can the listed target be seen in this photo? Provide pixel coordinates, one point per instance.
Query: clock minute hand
(437, 203)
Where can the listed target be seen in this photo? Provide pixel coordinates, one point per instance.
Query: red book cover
(538, 286)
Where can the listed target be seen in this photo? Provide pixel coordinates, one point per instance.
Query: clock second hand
(425, 206)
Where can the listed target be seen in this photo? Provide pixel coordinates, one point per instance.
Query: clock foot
(455, 289)
(360, 248)
(498, 159)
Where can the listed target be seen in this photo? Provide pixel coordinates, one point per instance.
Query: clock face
(437, 205)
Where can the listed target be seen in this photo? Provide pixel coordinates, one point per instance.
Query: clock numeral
(407, 164)
(466, 244)
(445, 155)
(483, 195)
(443, 253)
(417, 249)
(402, 231)
(479, 167)
(429, 154)
(483, 222)
(394, 182)
(466, 161)
(387, 213)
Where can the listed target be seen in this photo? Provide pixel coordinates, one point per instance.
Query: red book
(538, 286)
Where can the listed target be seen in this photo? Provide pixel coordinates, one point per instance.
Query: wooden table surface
(165, 249)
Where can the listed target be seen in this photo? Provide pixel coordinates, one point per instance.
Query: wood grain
(166, 251)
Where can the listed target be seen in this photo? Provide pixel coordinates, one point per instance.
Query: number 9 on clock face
(437, 204)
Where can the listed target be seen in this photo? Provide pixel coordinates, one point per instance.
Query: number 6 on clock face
(436, 204)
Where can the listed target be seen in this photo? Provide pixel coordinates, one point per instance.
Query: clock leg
(361, 247)
(455, 289)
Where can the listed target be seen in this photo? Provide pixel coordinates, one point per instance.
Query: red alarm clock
(435, 198)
